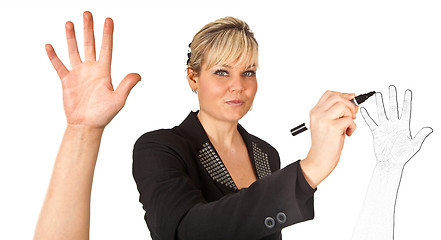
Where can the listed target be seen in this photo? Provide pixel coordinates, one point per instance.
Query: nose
(236, 85)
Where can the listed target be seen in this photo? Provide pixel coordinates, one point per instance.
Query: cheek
(252, 89)
(211, 88)
(210, 93)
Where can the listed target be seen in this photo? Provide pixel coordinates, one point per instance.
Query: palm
(89, 100)
(393, 143)
(88, 95)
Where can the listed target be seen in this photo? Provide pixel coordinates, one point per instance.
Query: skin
(90, 103)
(226, 94)
(331, 120)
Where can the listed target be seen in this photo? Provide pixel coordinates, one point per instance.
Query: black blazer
(187, 193)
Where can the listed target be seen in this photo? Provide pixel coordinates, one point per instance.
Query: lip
(235, 102)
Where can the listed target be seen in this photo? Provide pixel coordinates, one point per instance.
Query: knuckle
(313, 113)
(328, 92)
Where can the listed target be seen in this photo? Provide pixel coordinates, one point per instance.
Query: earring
(195, 91)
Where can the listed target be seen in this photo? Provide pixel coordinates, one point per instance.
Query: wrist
(311, 171)
(79, 149)
(389, 167)
(315, 169)
(84, 130)
(307, 169)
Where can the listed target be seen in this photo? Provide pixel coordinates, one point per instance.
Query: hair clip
(189, 54)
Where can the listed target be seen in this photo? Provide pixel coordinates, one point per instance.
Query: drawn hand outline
(393, 141)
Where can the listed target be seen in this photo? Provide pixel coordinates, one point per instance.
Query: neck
(219, 132)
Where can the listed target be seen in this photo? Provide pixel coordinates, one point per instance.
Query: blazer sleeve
(176, 209)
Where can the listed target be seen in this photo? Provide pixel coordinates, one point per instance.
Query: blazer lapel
(259, 158)
(215, 167)
(212, 163)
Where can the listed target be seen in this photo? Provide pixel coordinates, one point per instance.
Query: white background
(306, 47)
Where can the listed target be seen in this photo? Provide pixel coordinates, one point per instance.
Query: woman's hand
(89, 103)
(330, 121)
(88, 95)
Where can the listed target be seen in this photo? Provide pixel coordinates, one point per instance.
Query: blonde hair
(222, 42)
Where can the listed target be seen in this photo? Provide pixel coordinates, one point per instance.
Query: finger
(352, 106)
(89, 37)
(345, 125)
(325, 97)
(56, 62)
(407, 106)
(72, 47)
(418, 140)
(339, 110)
(340, 98)
(393, 103)
(380, 108)
(126, 85)
(107, 43)
(367, 118)
(348, 96)
(328, 94)
(351, 129)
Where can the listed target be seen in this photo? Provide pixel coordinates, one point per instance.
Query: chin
(236, 115)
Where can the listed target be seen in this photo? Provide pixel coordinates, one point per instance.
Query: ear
(192, 78)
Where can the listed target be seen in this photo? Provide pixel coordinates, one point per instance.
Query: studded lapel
(214, 166)
(261, 162)
(219, 173)
(211, 161)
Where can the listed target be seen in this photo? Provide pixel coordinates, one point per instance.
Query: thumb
(126, 85)
(418, 140)
(348, 96)
(367, 118)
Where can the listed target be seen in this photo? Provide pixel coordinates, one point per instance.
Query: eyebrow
(228, 66)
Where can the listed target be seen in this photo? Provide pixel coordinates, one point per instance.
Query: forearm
(70, 186)
(244, 213)
(376, 219)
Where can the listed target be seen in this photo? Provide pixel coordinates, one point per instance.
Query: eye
(249, 73)
(221, 73)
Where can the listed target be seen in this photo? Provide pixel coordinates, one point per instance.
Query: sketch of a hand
(393, 143)
(393, 147)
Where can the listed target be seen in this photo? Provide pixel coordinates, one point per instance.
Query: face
(226, 92)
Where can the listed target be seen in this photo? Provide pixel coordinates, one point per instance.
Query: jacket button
(269, 222)
(281, 217)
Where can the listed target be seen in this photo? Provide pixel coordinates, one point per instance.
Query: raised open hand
(88, 95)
(393, 142)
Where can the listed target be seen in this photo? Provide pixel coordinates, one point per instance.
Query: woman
(208, 178)
(185, 194)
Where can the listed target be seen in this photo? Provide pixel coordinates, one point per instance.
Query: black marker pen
(356, 101)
